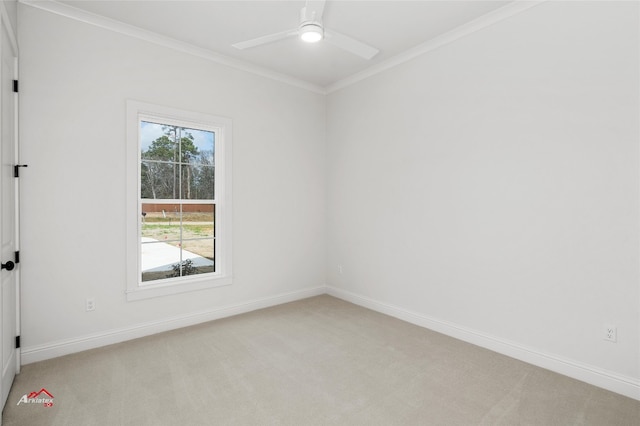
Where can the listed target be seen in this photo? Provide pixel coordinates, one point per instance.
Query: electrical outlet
(610, 333)
(340, 269)
(90, 304)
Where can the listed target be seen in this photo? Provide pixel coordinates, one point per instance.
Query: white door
(8, 216)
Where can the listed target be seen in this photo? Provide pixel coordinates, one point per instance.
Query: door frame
(7, 30)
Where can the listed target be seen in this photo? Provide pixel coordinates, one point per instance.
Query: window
(179, 201)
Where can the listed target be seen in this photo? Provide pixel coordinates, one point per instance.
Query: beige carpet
(319, 361)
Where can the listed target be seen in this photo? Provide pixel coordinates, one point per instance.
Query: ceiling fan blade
(350, 45)
(314, 10)
(265, 39)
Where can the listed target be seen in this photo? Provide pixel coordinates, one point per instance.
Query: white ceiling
(391, 26)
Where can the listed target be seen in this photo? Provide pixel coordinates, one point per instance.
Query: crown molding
(171, 43)
(484, 21)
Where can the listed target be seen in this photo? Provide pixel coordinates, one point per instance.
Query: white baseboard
(37, 353)
(627, 386)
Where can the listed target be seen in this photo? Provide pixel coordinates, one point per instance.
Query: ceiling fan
(311, 30)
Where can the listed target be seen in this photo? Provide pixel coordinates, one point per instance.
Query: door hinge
(16, 169)
(17, 342)
(15, 86)
(17, 257)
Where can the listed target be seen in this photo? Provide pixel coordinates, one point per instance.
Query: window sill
(149, 291)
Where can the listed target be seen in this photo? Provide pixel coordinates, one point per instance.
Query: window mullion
(180, 195)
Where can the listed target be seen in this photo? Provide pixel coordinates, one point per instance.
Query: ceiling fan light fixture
(311, 33)
(310, 29)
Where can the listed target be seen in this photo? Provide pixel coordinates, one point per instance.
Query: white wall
(74, 81)
(489, 187)
(492, 185)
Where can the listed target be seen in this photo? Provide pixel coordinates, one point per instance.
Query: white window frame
(137, 112)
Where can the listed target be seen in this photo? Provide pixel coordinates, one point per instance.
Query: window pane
(161, 221)
(203, 183)
(197, 146)
(197, 220)
(159, 180)
(158, 142)
(159, 259)
(187, 182)
(197, 257)
(177, 240)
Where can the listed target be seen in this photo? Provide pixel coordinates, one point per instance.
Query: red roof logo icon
(37, 394)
